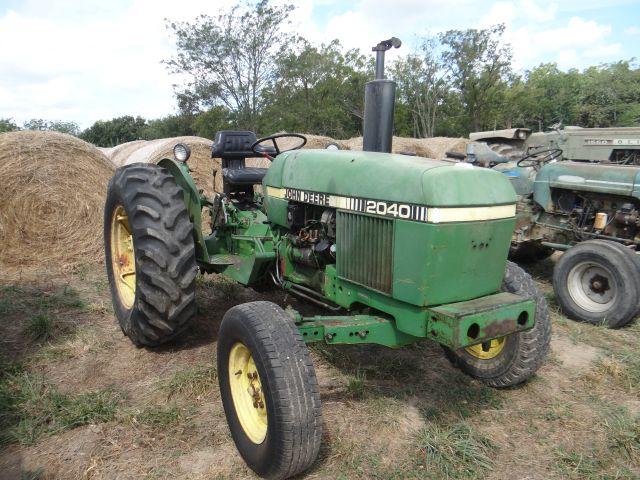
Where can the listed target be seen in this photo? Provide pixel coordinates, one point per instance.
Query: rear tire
(278, 430)
(514, 358)
(598, 282)
(158, 302)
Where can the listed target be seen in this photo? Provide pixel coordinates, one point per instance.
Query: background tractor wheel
(269, 390)
(512, 359)
(150, 254)
(598, 282)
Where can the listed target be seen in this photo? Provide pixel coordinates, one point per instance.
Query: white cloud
(83, 61)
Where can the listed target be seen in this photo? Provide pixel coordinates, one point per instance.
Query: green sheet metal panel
(441, 263)
(391, 177)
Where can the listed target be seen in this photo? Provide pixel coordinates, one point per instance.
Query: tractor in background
(393, 249)
(578, 191)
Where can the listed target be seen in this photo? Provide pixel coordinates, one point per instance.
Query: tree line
(245, 69)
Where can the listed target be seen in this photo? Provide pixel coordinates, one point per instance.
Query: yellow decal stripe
(276, 192)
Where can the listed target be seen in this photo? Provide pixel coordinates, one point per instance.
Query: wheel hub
(591, 287)
(123, 260)
(247, 393)
(487, 350)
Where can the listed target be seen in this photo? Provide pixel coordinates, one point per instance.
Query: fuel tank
(609, 179)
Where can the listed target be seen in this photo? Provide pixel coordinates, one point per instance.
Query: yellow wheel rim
(487, 350)
(123, 260)
(247, 394)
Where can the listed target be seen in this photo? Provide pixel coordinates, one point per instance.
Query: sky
(88, 60)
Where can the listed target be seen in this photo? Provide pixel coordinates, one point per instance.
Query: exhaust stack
(379, 104)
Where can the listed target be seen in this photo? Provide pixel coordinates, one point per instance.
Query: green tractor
(391, 249)
(578, 190)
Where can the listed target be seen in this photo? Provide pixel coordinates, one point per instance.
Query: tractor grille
(365, 250)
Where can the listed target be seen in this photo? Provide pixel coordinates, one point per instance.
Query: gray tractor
(578, 191)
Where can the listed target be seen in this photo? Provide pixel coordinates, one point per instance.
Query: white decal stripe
(470, 214)
(606, 182)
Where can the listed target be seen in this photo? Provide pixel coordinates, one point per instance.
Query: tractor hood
(389, 177)
(591, 177)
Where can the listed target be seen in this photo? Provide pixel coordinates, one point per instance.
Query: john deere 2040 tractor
(395, 249)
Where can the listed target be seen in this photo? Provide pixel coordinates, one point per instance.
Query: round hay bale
(119, 154)
(439, 146)
(435, 147)
(201, 164)
(399, 145)
(51, 201)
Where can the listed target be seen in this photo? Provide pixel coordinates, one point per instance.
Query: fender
(193, 201)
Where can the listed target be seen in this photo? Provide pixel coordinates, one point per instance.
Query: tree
(8, 125)
(422, 86)
(478, 64)
(169, 126)
(39, 124)
(316, 89)
(230, 59)
(109, 133)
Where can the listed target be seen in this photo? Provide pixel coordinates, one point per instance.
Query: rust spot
(499, 329)
(123, 260)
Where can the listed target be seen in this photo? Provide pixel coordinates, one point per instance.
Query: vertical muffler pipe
(379, 104)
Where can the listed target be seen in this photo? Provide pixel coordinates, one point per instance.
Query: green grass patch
(622, 367)
(193, 382)
(356, 387)
(40, 327)
(623, 434)
(30, 408)
(579, 465)
(457, 451)
(160, 417)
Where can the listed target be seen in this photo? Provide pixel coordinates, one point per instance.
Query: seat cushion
(244, 176)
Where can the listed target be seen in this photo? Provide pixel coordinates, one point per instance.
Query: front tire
(512, 359)
(150, 254)
(598, 282)
(269, 390)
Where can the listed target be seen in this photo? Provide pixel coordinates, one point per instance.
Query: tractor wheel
(150, 254)
(269, 390)
(529, 252)
(598, 282)
(512, 359)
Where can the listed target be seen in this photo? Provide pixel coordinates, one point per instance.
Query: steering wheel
(265, 151)
(535, 159)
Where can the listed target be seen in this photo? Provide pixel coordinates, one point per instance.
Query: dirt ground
(78, 400)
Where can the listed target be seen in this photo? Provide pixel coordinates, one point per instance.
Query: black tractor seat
(233, 148)
(244, 176)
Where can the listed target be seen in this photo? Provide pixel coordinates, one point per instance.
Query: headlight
(522, 135)
(181, 152)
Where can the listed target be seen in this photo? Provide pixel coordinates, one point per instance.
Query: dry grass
(402, 413)
(51, 201)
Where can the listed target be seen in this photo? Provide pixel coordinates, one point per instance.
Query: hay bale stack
(400, 145)
(439, 146)
(434, 147)
(51, 201)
